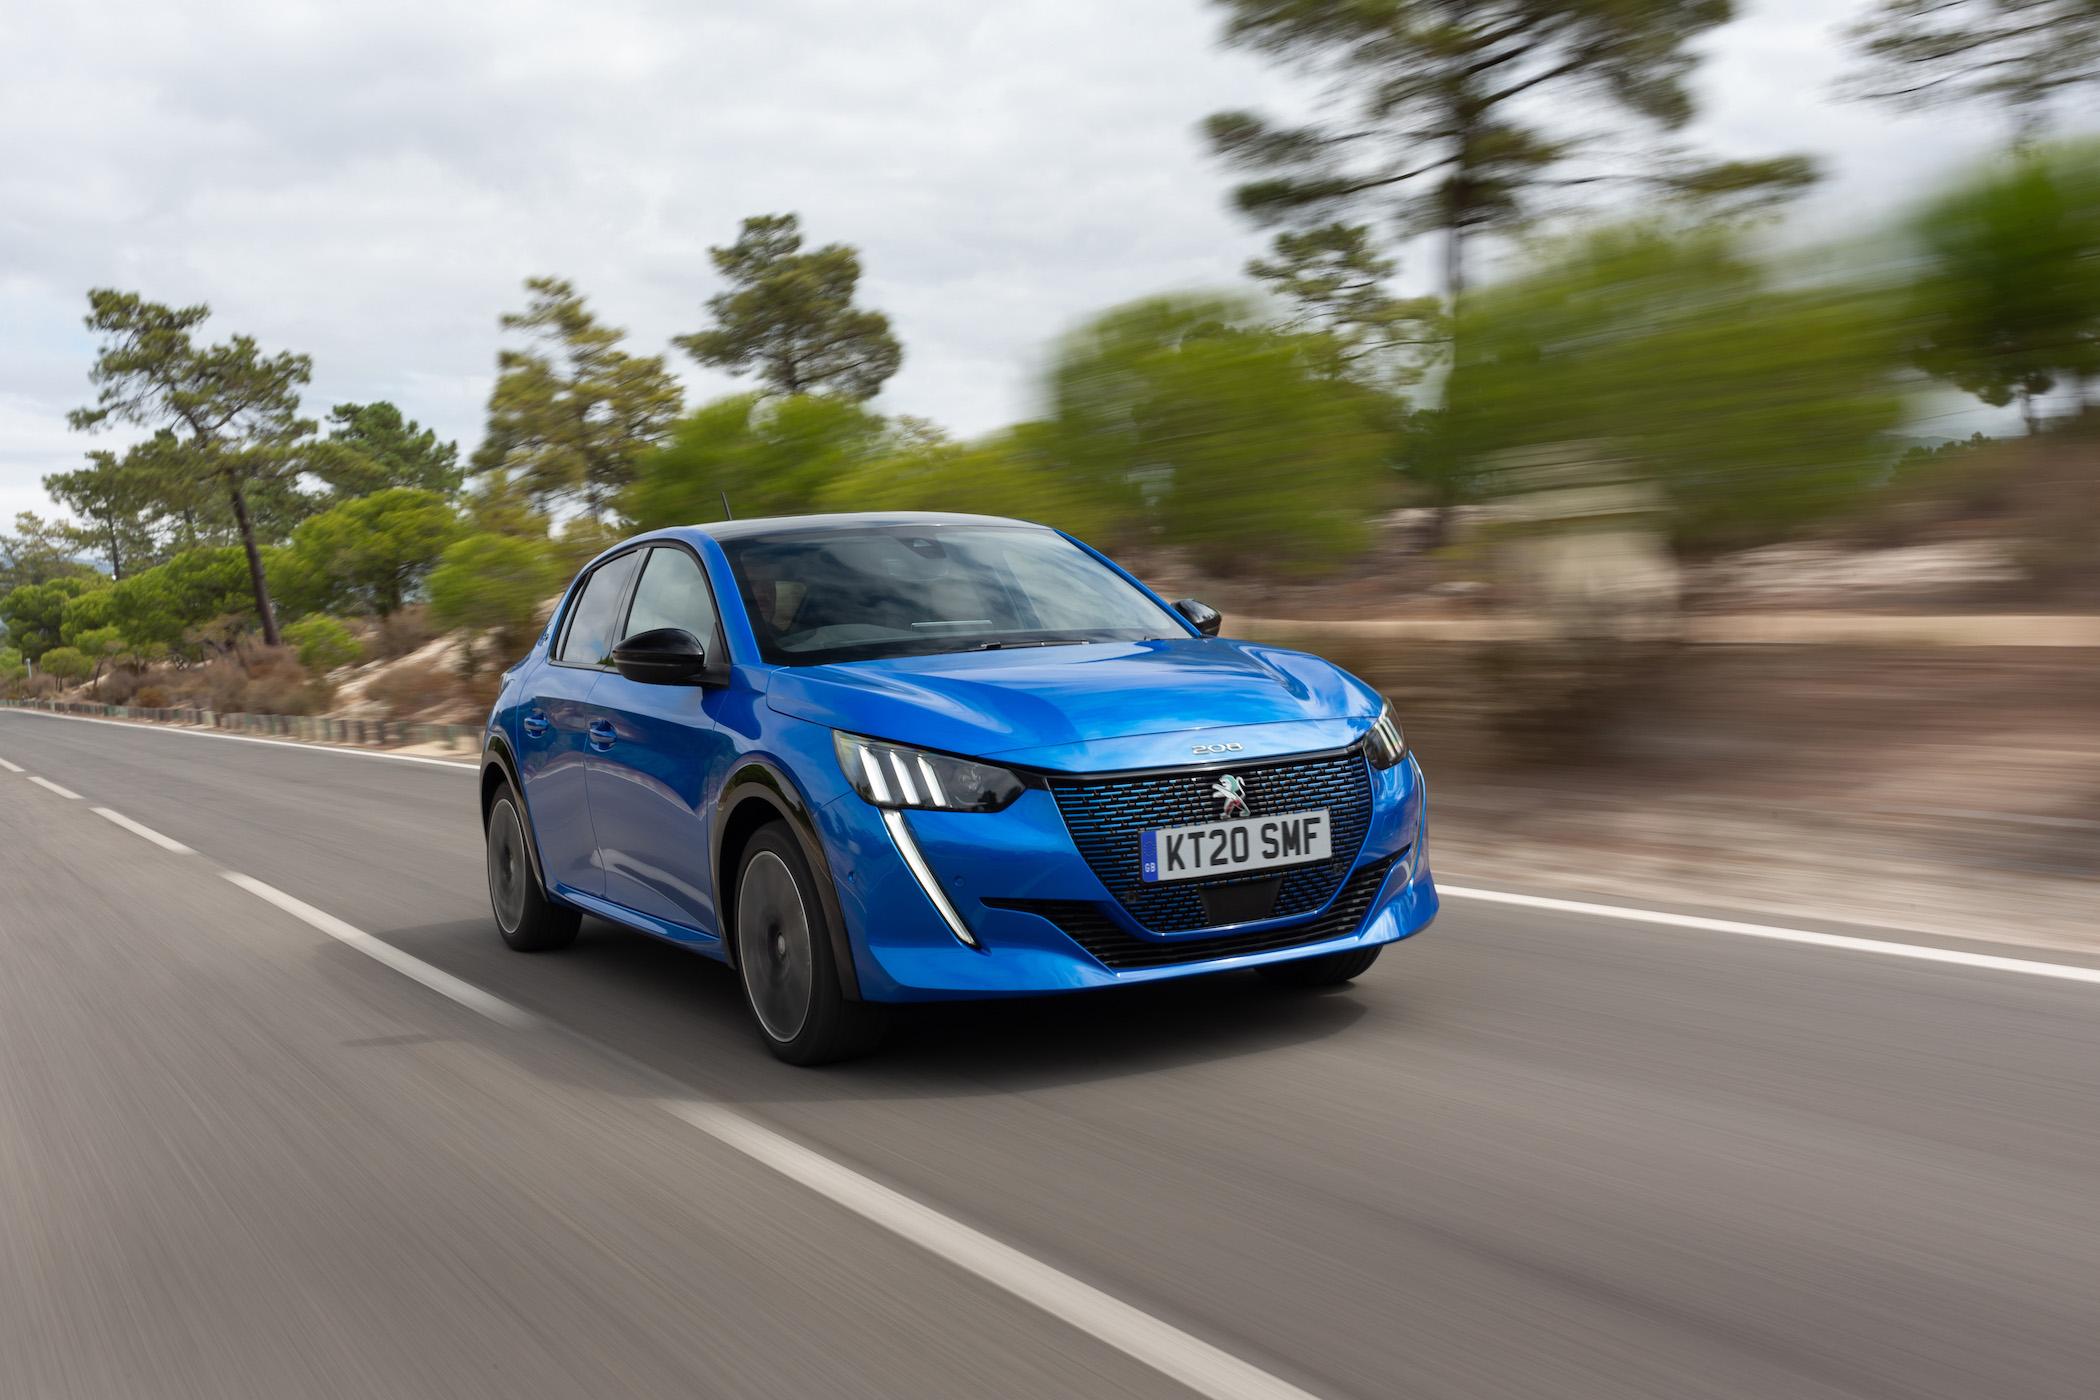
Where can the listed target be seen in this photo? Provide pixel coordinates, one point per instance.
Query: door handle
(534, 724)
(602, 734)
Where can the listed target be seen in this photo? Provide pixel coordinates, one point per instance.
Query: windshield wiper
(1013, 646)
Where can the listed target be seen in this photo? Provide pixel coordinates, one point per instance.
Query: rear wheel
(784, 957)
(1327, 970)
(527, 919)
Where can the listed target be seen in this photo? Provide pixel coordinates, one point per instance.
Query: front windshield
(859, 594)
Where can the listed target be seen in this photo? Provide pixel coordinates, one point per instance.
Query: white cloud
(369, 183)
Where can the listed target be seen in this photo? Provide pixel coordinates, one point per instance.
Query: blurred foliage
(569, 416)
(1438, 110)
(789, 315)
(771, 457)
(1672, 358)
(2007, 301)
(2017, 54)
(372, 446)
(495, 584)
(1333, 283)
(1012, 473)
(372, 552)
(323, 644)
(35, 613)
(500, 504)
(1190, 412)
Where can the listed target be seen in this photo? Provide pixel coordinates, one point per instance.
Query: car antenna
(727, 513)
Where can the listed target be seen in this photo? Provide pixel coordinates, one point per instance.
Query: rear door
(665, 751)
(554, 741)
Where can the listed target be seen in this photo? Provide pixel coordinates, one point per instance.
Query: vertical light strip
(933, 784)
(877, 784)
(916, 863)
(904, 782)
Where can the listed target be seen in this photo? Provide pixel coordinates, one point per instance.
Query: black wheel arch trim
(496, 754)
(755, 779)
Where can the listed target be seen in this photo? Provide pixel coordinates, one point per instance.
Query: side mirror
(1203, 617)
(661, 656)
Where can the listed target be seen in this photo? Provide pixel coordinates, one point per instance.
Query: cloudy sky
(370, 182)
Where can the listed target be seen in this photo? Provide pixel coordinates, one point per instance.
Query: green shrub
(372, 553)
(323, 644)
(68, 664)
(495, 584)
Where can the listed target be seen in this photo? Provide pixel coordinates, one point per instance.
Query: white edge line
(166, 843)
(11, 767)
(408, 965)
(2064, 972)
(152, 727)
(1189, 1360)
(61, 791)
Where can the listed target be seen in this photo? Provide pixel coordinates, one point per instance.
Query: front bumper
(1035, 907)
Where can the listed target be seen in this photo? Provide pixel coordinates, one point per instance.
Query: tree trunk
(1454, 264)
(255, 564)
(2028, 414)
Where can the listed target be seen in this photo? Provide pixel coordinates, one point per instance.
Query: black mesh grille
(1091, 927)
(1105, 816)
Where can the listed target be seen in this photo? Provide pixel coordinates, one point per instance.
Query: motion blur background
(1680, 408)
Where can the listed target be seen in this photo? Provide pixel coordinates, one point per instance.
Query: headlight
(890, 775)
(1385, 745)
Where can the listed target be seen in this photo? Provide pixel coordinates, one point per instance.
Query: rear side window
(673, 593)
(588, 639)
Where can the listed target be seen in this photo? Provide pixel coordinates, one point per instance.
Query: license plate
(1244, 843)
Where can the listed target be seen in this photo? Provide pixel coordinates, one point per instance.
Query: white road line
(166, 843)
(11, 767)
(2064, 972)
(47, 783)
(408, 965)
(1195, 1363)
(1189, 1360)
(252, 739)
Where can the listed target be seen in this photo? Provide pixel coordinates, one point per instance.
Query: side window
(588, 640)
(673, 593)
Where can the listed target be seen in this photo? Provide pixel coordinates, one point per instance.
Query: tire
(785, 961)
(527, 919)
(1327, 970)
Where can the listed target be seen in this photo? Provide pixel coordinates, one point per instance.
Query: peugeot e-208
(871, 759)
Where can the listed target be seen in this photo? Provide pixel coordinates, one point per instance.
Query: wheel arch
(498, 767)
(756, 795)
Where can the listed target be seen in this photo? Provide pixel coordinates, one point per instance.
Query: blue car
(871, 759)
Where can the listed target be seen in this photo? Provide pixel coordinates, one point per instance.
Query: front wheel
(784, 957)
(1327, 970)
(527, 919)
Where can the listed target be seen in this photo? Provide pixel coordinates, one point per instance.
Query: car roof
(853, 520)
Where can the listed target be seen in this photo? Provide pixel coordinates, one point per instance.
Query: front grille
(1105, 816)
(1090, 926)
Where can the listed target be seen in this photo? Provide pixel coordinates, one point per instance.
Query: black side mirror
(1203, 617)
(661, 656)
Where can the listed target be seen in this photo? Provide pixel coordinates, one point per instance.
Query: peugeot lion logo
(1232, 793)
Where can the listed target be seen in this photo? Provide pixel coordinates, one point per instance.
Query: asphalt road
(1532, 1154)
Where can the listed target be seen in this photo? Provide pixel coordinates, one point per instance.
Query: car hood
(1096, 706)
